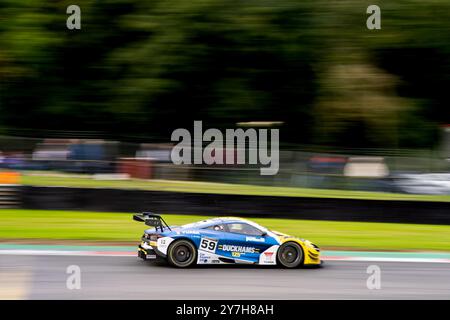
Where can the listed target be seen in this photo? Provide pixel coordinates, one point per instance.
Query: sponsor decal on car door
(236, 247)
(208, 244)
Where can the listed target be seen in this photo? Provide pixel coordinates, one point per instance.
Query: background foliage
(139, 69)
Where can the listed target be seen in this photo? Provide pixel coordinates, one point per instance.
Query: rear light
(152, 237)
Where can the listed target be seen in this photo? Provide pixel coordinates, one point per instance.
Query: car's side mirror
(264, 234)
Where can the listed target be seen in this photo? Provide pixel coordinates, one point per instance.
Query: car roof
(213, 221)
(225, 220)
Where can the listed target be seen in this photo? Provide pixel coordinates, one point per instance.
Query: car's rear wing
(152, 220)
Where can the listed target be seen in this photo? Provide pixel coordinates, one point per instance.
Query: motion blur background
(362, 113)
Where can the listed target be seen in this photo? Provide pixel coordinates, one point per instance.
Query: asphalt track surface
(44, 277)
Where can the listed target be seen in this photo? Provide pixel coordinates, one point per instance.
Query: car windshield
(258, 226)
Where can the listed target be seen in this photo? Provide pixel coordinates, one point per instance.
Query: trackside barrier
(162, 202)
(9, 189)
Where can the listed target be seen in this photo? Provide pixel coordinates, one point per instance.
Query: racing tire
(182, 254)
(290, 255)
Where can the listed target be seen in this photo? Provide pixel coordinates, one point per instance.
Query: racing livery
(222, 241)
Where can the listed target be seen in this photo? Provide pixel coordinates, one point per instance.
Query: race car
(226, 240)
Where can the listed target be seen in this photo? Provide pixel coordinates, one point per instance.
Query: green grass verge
(220, 188)
(114, 227)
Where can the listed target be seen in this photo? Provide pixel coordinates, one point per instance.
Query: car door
(244, 243)
(210, 239)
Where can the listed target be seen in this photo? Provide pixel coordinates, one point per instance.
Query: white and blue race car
(225, 240)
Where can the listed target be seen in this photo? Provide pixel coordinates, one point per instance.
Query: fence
(300, 166)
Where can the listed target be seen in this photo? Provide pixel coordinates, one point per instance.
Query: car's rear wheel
(182, 254)
(290, 255)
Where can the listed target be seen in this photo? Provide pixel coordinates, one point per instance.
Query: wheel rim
(290, 255)
(182, 254)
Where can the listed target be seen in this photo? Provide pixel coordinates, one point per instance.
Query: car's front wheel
(182, 254)
(290, 255)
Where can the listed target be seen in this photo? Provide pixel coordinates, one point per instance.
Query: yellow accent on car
(311, 255)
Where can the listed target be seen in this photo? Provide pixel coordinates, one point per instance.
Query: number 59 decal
(208, 245)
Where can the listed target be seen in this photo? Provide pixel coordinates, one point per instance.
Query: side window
(243, 228)
(216, 227)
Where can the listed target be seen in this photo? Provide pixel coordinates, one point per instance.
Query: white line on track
(68, 253)
(133, 254)
(384, 259)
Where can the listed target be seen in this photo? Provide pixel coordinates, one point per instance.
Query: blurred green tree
(139, 69)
